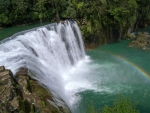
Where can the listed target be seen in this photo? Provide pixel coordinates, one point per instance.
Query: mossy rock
(26, 95)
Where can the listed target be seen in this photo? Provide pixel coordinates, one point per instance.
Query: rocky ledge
(141, 40)
(23, 94)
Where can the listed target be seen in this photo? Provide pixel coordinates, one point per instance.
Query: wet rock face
(142, 40)
(22, 94)
(8, 95)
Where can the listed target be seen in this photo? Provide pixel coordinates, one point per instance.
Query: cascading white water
(55, 55)
(52, 53)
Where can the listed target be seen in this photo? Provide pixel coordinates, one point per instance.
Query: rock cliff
(22, 94)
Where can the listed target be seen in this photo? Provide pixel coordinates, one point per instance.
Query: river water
(118, 69)
(82, 80)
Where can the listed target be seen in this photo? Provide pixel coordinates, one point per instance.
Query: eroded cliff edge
(23, 94)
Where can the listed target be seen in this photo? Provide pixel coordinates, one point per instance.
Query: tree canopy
(99, 20)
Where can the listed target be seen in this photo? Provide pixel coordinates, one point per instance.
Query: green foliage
(92, 109)
(143, 13)
(80, 5)
(33, 15)
(93, 16)
(121, 105)
(43, 104)
(4, 18)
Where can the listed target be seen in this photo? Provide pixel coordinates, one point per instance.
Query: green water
(115, 69)
(6, 32)
(118, 70)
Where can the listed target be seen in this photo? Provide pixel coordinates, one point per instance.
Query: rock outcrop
(23, 94)
(142, 40)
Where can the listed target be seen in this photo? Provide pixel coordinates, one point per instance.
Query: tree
(121, 105)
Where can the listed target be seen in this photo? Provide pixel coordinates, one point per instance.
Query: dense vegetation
(101, 21)
(122, 105)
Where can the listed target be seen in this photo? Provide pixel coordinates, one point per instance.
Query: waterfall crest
(48, 52)
(59, 45)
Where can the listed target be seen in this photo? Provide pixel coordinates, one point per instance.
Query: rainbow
(139, 69)
(146, 75)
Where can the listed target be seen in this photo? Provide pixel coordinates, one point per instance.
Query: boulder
(142, 40)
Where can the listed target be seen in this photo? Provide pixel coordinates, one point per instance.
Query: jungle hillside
(101, 21)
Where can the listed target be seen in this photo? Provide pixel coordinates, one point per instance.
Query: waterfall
(50, 52)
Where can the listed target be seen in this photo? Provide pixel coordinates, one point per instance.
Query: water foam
(54, 54)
